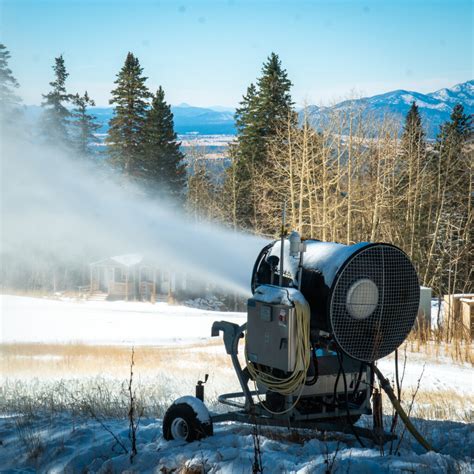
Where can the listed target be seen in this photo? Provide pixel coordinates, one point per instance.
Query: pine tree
(264, 110)
(250, 128)
(453, 161)
(413, 136)
(56, 115)
(84, 123)
(9, 101)
(126, 127)
(412, 184)
(274, 98)
(454, 133)
(162, 161)
(453, 168)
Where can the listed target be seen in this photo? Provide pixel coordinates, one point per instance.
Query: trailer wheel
(181, 423)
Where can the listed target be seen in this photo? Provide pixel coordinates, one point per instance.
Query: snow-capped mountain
(435, 107)
(463, 93)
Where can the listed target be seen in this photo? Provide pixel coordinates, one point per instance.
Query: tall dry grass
(73, 377)
(431, 343)
(54, 377)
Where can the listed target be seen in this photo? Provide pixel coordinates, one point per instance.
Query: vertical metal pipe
(300, 266)
(282, 242)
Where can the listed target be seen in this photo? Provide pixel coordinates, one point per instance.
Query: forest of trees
(351, 178)
(141, 141)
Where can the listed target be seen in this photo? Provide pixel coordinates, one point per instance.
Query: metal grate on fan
(374, 302)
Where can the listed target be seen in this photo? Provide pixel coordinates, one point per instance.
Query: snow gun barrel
(365, 297)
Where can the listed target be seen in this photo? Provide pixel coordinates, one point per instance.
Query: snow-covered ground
(68, 445)
(103, 322)
(67, 442)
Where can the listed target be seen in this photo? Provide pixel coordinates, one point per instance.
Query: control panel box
(271, 332)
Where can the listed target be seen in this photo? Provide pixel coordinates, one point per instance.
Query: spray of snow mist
(58, 208)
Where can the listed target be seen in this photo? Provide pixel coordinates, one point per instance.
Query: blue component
(324, 353)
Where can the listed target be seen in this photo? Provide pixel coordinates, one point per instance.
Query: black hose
(316, 368)
(341, 367)
(359, 379)
(385, 384)
(335, 385)
(399, 393)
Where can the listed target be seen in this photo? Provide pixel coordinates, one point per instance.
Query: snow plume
(58, 210)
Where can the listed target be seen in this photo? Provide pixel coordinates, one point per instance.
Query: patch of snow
(128, 260)
(436, 376)
(329, 256)
(407, 98)
(211, 303)
(272, 294)
(440, 106)
(442, 94)
(197, 405)
(24, 319)
(85, 446)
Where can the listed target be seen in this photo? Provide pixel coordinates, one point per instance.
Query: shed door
(109, 277)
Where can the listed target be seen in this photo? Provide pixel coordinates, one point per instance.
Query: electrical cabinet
(271, 335)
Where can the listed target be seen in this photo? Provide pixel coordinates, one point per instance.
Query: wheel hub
(179, 429)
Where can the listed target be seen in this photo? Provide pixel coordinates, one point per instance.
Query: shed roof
(127, 260)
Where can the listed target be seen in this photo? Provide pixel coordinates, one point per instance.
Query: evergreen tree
(453, 134)
(126, 127)
(162, 161)
(84, 123)
(265, 108)
(452, 162)
(56, 115)
(413, 136)
(250, 143)
(412, 185)
(9, 101)
(274, 98)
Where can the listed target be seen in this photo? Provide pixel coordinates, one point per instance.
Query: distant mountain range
(187, 119)
(435, 108)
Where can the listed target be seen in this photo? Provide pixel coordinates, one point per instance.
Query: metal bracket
(319, 424)
(232, 334)
(231, 331)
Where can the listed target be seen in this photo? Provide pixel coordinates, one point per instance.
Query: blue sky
(206, 52)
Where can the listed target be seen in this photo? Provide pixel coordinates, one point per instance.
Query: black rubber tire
(196, 430)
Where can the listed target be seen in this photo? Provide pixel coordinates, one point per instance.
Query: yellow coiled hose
(294, 383)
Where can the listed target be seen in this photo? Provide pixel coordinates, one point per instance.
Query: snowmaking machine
(320, 316)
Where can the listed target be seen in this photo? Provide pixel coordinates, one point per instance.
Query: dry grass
(71, 377)
(74, 360)
(435, 405)
(30, 437)
(76, 377)
(429, 344)
(444, 405)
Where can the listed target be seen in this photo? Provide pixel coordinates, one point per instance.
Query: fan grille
(387, 326)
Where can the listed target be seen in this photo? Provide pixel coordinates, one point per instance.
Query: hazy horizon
(230, 109)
